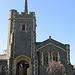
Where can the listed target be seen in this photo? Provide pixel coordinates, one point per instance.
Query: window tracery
(45, 58)
(55, 56)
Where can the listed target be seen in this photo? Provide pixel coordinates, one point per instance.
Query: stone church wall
(3, 67)
(50, 48)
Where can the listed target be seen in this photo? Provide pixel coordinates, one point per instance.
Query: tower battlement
(14, 14)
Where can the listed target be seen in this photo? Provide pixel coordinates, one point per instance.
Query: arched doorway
(23, 65)
(22, 68)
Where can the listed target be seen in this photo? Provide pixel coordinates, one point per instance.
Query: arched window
(55, 56)
(45, 57)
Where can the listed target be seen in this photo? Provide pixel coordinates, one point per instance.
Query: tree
(5, 51)
(55, 67)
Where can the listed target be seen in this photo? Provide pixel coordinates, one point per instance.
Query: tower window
(23, 26)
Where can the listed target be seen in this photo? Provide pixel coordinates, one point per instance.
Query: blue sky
(54, 18)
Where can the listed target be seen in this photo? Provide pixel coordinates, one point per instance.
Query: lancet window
(45, 57)
(55, 56)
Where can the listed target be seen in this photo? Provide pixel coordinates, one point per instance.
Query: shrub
(55, 67)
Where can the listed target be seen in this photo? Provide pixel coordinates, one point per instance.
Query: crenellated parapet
(13, 14)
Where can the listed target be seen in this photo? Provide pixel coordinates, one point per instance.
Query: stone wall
(3, 67)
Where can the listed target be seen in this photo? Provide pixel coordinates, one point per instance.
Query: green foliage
(74, 67)
(28, 72)
(64, 73)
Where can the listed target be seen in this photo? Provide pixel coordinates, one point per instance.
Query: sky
(55, 18)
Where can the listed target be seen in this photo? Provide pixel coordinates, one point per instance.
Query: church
(24, 55)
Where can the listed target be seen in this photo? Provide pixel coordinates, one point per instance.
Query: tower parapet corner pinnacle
(13, 10)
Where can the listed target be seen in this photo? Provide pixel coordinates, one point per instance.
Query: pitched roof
(50, 40)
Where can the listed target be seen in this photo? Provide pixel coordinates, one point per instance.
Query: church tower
(21, 41)
(24, 55)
